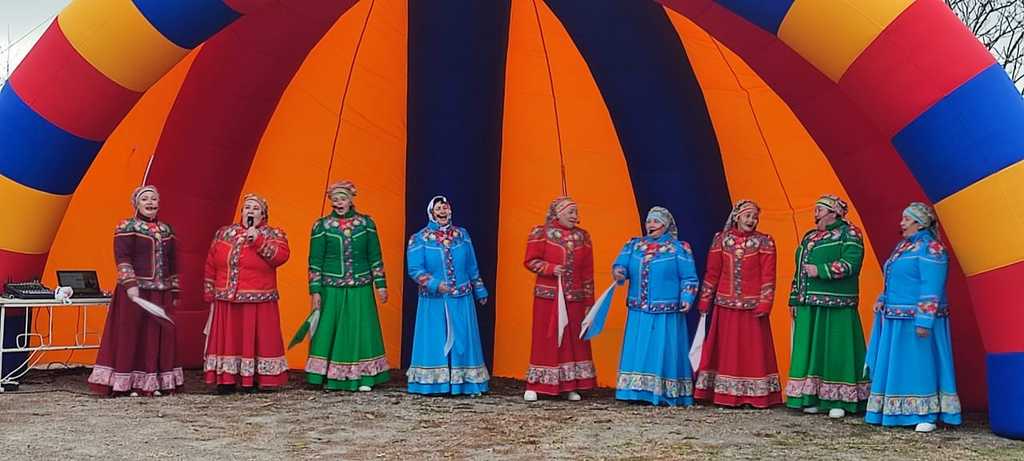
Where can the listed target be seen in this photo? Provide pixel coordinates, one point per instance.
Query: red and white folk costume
(737, 364)
(137, 351)
(568, 367)
(244, 345)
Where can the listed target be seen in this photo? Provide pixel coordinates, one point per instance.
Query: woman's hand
(133, 292)
(811, 270)
(619, 274)
(315, 300)
(443, 288)
(559, 270)
(250, 234)
(382, 293)
(482, 301)
(922, 332)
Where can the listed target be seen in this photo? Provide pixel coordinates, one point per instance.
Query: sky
(22, 16)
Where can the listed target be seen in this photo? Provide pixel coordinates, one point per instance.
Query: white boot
(573, 396)
(365, 388)
(924, 427)
(811, 410)
(156, 394)
(836, 413)
(530, 396)
(133, 394)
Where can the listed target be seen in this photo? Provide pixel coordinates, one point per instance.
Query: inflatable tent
(501, 105)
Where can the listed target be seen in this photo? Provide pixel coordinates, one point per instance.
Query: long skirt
(137, 351)
(555, 369)
(827, 365)
(912, 378)
(347, 348)
(462, 369)
(737, 365)
(245, 346)
(655, 366)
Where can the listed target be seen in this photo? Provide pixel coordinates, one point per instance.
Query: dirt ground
(53, 416)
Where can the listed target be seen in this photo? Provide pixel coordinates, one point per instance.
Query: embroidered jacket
(837, 252)
(244, 272)
(915, 280)
(741, 272)
(144, 252)
(661, 272)
(344, 251)
(435, 256)
(553, 245)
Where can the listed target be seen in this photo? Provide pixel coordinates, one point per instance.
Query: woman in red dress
(243, 344)
(737, 365)
(560, 362)
(137, 352)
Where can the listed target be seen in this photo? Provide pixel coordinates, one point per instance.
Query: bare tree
(999, 25)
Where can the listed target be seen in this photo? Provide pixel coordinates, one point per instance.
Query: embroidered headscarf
(923, 215)
(139, 191)
(258, 199)
(558, 206)
(741, 206)
(835, 204)
(662, 215)
(342, 187)
(430, 209)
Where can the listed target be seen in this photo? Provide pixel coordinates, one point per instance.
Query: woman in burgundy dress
(137, 352)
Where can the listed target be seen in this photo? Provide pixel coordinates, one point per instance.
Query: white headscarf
(430, 209)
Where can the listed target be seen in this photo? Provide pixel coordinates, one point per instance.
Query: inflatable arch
(684, 103)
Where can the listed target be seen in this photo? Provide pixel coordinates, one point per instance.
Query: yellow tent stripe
(831, 34)
(117, 40)
(31, 217)
(984, 221)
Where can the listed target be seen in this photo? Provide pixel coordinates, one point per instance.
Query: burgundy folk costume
(244, 345)
(568, 367)
(738, 365)
(137, 352)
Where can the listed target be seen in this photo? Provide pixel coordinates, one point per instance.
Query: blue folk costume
(446, 354)
(655, 366)
(912, 378)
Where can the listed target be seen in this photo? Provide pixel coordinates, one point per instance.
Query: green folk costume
(826, 367)
(344, 260)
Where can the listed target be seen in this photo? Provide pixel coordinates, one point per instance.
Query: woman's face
(252, 209)
(442, 213)
(747, 221)
(569, 217)
(148, 203)
(824, 216)
(341, 202)
(655, 228)
(909, 226)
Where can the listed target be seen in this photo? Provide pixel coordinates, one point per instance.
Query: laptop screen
(80, 281)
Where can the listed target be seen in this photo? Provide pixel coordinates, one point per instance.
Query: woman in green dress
(347, 350)
(826, 371)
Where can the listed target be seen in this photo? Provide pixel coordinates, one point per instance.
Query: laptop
(85, 283)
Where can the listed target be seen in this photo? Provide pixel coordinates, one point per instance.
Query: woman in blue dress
(910, 359)
(655, 366)
(446, 353)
